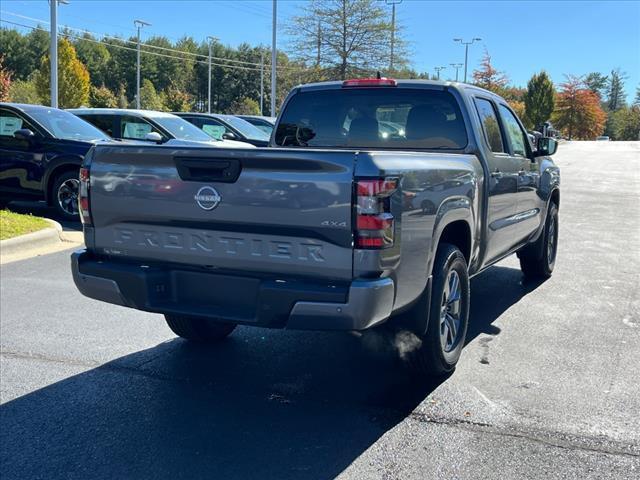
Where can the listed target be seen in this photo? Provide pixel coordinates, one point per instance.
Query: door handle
(522, 173)
(496, 174)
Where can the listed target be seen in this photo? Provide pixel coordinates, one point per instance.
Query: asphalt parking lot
(547, 387)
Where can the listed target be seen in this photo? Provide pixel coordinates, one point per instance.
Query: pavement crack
(546, 437)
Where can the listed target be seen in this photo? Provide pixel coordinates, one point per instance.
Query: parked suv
(150, 126)
(227, 127)
(41, 149)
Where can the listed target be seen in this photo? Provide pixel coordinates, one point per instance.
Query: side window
(103, 122)
(213, 129)
(9, 123)
(490, 124)
(135, 128)
(516, 135)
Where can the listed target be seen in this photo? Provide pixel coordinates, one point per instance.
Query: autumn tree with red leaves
(488, 77)
(577, 110)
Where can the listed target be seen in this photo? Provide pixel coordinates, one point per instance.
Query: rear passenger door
(210, 126)
(503, 182)
(528, 210)
(136, 128)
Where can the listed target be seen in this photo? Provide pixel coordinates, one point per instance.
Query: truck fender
(451, 210)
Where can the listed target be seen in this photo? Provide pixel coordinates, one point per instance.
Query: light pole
(211, 40)
(466, 52)
(139, 24)
(437, 69)
(273, 59)
(393, 4)
(457, 67)
(261, 81)
(53, 54)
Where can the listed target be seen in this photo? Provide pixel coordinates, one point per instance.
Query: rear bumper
(266, 302)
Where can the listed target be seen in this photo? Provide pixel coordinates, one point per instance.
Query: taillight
(83, 196)
(370, 82)
(374, 221)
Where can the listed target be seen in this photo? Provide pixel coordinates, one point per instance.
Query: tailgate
(265, 210)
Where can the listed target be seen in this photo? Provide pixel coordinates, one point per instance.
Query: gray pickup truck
(374, 203)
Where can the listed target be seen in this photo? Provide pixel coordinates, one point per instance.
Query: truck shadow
(263, 404)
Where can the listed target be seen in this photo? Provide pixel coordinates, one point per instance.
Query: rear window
(373, 118)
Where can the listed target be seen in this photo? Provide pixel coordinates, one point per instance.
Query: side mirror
(546, 146)
(24, 134)
(229, 136)
(153, 137)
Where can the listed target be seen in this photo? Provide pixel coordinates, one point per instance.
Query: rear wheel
(538, 259)
(65, 195)
(198, 329)
(448, 309)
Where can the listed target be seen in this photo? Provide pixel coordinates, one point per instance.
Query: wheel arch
(61, 166)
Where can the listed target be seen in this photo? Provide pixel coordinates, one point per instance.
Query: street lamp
(211, 40)
(139, 24)
(457, 66)
(437, 69)
(53, 54)
(466, 52)
(274, 57)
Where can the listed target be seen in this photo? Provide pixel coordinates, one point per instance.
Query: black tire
(197, 329)
(64, 195)
(538, 259)
(433, 358)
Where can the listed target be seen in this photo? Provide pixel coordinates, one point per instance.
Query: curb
(30, 241)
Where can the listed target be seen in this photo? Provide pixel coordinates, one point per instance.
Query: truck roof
(411, 83)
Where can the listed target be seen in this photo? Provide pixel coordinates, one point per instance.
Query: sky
(522, 37)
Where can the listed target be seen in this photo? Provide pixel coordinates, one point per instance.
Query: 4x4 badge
(207, 198)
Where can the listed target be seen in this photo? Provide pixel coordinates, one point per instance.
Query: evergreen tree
(539, 99)
(597, 83)
(616, 98)
(102, 97)
(149, 98)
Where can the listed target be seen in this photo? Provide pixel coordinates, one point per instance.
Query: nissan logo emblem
(207, 198)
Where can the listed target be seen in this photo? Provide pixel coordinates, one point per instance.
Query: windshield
(181, 129)
(399, 118)
(66, 126)
(245, 128)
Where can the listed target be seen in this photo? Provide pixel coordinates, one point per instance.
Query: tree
(95, 56)
(624, 123)
(24, 91)
(488, 77)
(345, 38)
(539, 99)
(636, 101)
(177, 100)
(122, 100)
(5, 82)
(102, 97)
(149, 98)
(520, 109)
(73, 78)
(597, 83)
(245, 106)
(578, 112)
(616, 98)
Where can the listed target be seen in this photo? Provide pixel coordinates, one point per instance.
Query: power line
(256, 65)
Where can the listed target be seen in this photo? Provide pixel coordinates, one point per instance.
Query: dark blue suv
(41, 150)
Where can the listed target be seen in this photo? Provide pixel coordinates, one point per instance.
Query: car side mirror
(229, 136)
(546, 146)
(24, 134)
(153, 137)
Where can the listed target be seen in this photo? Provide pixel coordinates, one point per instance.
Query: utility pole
(393, 4)
(139, 24)
(53, 51)
(437, 69)
(273, 59)
(457, 67)
(211, 40)
(466, 52)
(261, 81)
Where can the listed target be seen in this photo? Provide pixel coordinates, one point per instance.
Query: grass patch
(14, 224)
